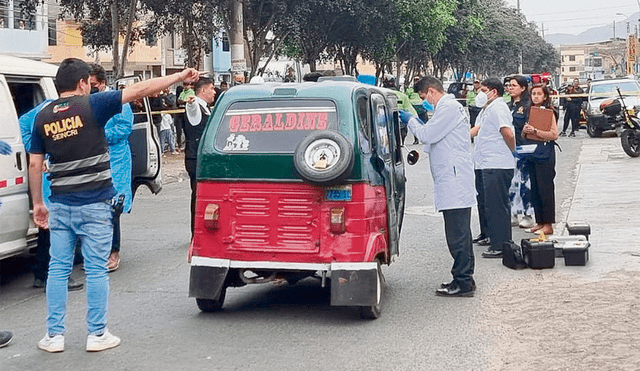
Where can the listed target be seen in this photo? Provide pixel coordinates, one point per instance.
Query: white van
(24, 84)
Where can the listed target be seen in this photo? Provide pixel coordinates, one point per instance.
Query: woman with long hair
(520, 191)
(541, 163)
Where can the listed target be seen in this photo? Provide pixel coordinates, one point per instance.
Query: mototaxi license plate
(338, 193)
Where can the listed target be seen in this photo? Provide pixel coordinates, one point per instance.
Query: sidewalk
(579, 318)
(607, 197)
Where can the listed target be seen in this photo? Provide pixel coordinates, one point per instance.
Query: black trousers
(41, 265)
(473, 115)
(543, 192)
(496, 205)
(190, 166)
(480, 200)
(457, 230)
(572, 113)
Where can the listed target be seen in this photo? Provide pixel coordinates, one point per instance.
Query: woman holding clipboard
(543, 129)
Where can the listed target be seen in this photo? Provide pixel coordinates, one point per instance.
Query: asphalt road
(269, 326)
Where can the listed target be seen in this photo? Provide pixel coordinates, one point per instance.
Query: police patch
(60, 107)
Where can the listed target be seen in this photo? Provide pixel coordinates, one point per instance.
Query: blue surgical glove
(5, 148)
(405, 116)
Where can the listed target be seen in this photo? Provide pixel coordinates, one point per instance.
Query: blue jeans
(93, 225)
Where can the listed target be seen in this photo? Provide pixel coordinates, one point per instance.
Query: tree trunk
(115, 28)
(127, 39)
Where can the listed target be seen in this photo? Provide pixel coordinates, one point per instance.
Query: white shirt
(165, 124)
(447, 140)
(491, 151)
(194, 115)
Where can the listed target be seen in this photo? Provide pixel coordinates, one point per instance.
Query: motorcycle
(630, 124)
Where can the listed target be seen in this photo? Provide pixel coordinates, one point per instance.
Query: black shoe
(38, 283)
(479, 237)
(492, 254)
(454, 291)
(74, 285)
(484, 242)
(562, 134)
(572, 134)
(446, 285)
(5, 338)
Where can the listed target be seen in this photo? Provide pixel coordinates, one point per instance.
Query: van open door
(144, 142)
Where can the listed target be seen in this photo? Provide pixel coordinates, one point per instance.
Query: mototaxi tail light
(211, 217)
(337, 222)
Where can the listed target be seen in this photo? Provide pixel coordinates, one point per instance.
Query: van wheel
(324, 158)
(211, 305)
(374, 311)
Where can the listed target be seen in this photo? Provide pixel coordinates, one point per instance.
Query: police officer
(70, 130)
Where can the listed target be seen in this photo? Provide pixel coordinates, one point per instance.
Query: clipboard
(540, 118)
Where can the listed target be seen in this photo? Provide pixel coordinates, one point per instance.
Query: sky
(575, 16)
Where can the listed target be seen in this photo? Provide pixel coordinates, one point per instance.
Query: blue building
(221, 57)
(24, 35)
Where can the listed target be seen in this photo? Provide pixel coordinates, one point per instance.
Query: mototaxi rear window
(273, 126)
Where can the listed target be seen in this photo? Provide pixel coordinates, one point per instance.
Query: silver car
(602, 90)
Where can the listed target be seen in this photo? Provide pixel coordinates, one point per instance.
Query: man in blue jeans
(70, 130)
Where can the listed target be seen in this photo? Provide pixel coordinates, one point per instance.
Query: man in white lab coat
(446, 138)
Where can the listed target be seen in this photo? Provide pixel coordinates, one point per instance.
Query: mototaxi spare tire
(324, 158)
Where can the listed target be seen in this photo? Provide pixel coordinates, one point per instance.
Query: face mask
(428, 106)
(481, 99)
(94, 90)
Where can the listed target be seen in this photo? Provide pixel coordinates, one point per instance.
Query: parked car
(24, 84)
(459, 90)
(604, 90)
(297, 181)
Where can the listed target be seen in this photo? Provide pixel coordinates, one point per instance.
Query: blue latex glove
(405, 116)
(5, 148)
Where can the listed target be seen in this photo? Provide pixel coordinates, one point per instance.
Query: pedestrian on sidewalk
(117, 131)
(541, 164)
(494, 164)
(446, 138)
(81, 192)
(166, 135)
(520, 191)
(573, 106)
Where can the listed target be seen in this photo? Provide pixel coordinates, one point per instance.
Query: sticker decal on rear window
(236, 143)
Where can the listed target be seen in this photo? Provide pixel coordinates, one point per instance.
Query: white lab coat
(448, 143)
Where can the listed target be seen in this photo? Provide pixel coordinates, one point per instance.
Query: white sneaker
(105, 341)
(514, 220)
(52, 344)
(527, 222)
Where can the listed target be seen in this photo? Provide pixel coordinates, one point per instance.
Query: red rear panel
(286, 222)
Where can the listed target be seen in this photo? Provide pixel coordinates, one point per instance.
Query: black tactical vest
(76, 145)
(193, 134)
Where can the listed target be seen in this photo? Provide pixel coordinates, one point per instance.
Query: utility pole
(236, 39)
(520, 54)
